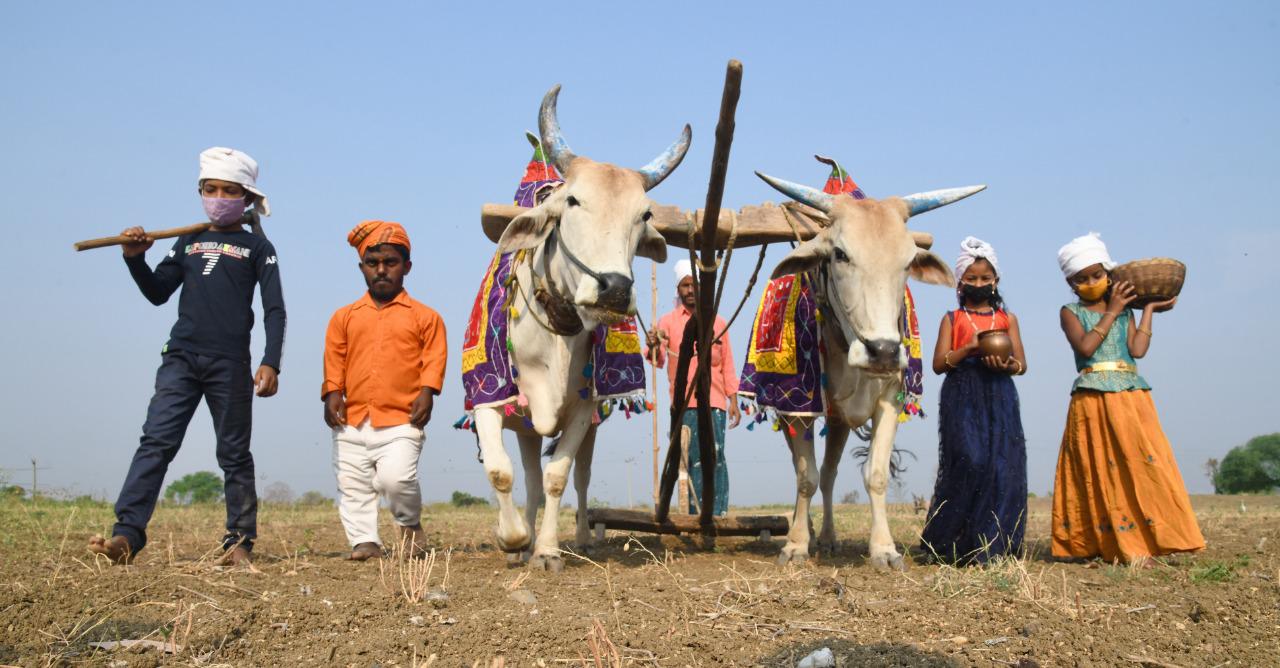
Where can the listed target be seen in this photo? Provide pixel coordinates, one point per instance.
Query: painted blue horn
(664, 164)
(549, 128)
(928, 201)
(803, 194)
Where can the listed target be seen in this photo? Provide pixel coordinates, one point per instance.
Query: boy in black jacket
(207, 354)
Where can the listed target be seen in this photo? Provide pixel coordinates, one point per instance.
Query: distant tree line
(1252, 468)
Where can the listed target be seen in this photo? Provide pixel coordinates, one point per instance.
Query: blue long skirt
(979, 507)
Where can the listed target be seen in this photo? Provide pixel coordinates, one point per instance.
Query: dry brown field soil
(632, 600)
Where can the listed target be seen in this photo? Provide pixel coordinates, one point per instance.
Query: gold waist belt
(1117, 365)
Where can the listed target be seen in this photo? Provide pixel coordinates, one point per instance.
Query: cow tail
(896, 467)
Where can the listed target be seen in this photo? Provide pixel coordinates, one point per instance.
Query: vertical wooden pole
(653, 363)
(682, 484)
(707, 288)
(671, 469)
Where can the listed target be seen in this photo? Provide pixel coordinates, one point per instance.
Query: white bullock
(859, 265)
(581, 242)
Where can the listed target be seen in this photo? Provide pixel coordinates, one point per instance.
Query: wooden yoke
(763, 224)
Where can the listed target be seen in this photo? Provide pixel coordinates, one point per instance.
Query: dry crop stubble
(636, 600)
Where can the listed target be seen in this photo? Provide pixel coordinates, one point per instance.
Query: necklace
(990, 325)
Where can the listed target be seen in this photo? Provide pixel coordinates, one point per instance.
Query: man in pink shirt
(664, 341)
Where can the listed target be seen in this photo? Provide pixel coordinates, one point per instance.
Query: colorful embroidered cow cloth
(617, 366)
(487, 376)
(616, 370)
(783, 369)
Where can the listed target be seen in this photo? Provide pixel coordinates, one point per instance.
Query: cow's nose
(883, 352)
(615, 291)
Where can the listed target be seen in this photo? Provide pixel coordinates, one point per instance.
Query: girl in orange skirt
(1118, 493)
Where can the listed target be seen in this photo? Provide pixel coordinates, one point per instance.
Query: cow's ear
(652, 244)
(806, 256)
(929, 268)
(531, 227)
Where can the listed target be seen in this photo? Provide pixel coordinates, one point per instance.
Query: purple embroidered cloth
(617, 365)
(616, 369)
(487, 375)
(783, 369)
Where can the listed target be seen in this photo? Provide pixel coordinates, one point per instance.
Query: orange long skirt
(1118, 493)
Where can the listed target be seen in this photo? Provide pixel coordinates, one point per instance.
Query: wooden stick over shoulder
(158, 234)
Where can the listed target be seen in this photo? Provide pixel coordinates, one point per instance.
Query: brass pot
(995, 342)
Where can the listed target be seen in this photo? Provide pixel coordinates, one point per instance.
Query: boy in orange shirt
(384, 360)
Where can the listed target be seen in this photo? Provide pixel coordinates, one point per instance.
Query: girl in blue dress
(979, 501)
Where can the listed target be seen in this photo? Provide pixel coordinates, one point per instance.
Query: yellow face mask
(1095, 291)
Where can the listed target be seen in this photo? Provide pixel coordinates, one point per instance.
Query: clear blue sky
(1153, 123)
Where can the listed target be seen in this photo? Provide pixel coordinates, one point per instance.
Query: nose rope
(569, 254)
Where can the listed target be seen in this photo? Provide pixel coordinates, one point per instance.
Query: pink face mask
(223, 211)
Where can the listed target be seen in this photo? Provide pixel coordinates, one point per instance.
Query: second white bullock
(859, 266)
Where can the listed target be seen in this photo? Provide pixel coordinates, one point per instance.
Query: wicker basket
(1154, 279)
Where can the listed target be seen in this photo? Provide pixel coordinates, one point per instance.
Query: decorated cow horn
(928, 201)
(664, 164)
(549, 127)
(803, 194)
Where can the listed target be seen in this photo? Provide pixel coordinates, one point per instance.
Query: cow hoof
(827, 547)
(888, 562)
(586, 549)
(517, 558)
(798, 556)
(515, 543)
(546, 562)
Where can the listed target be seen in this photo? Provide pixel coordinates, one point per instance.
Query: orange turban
(374, 232)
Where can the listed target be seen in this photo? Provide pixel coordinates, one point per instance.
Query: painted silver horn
(928, 201)
(664, 164)
(803, 194)
(549, 128)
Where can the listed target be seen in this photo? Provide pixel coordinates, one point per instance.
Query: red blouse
(965, 325)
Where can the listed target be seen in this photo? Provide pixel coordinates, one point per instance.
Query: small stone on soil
(524, 596)
(437, 597)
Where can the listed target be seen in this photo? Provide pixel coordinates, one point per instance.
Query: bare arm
(944, 358)
(1019, 354)
(1140, 334)
(942, 348)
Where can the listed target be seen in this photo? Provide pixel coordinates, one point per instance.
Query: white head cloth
(683, 269)
(973, 249)
(1082, 252)
(228, 164)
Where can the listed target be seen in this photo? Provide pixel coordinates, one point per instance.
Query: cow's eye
(648, 215)
(841, 256)
(572, 201)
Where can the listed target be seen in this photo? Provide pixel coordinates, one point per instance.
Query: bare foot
(365, 551)
(115, 548)
(237, 556)
(413, 540)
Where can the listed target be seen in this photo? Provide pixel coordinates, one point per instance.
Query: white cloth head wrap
(683, 269)
(228, 164)
(1083, 252)
(973, 249)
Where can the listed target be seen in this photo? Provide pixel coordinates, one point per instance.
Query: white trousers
(369, 462)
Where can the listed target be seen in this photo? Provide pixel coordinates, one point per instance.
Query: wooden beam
(757, 224)
(678, 523)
